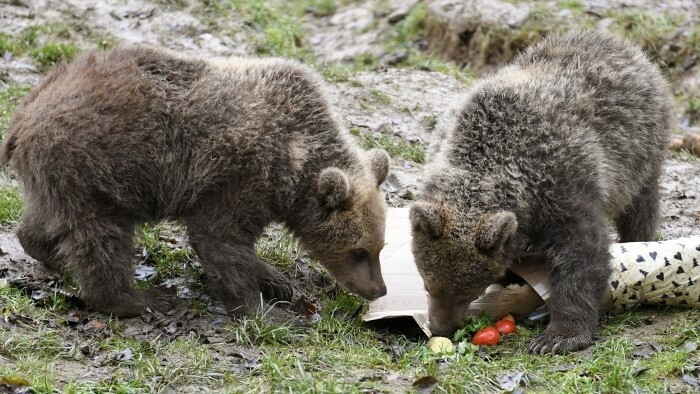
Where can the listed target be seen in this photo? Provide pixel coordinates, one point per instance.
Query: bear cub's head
(349, 229)
(458, 256)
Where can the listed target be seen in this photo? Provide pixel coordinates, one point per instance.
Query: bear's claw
(276, 287)
(559, 344)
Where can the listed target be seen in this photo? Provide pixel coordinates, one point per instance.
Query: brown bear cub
(138, 134)
(531, 162)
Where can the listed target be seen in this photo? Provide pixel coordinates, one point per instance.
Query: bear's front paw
(559, 344)
(276, 286)
(127, 303)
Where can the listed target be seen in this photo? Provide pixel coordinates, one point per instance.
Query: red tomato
(505, 327)
(488, 336)
(509, 317)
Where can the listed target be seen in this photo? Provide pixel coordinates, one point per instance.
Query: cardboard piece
(648, 273)
(406, 296)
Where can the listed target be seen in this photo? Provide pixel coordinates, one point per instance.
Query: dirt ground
(412, 99)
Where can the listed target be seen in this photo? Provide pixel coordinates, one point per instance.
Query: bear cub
(228, 146)
(531, 162)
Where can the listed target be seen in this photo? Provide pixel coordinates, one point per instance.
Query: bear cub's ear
(333, 187)
(379, 161)
(493, 230)
(428, 218)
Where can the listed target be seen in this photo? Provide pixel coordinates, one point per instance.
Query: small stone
(690, 346)
(85, 350)
(397, 16)
(395, 58)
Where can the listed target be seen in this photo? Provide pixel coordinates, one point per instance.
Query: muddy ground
(411, 99)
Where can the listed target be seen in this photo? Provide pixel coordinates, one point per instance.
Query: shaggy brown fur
(532, 161)
(138, 134)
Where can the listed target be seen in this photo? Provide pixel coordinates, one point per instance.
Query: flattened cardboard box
(649, 273)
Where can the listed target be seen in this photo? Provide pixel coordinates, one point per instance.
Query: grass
(47, 44)
(413, 29)
(52, 53)
(395, 146)
(321, 7)
(573, 5)
(166, 255)
(278, 31)
(9, 98)
(278, 247)
(480, 45)
(380, 97)
(275, 24)
(654, 31)
(338, 73)
(334, 353)
(340, 354)
(10, 205)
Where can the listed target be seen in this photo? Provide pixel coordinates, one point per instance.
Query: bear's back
(581, 109)
(620, 99)
(146, 127)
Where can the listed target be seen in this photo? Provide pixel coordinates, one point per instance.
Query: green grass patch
(395, 146)
(319, 8)
(283, 38)
(279, 247)
(380, 97)
(335, 353)
(276, 24)
(11, 206)
(257, 330)
(166, 255)
(9, 98)
(424, 62)
(52, 53)
(47, 44)
(573, 5)
(338, 73)
(409, 31)
(479, 45)
(657, 33)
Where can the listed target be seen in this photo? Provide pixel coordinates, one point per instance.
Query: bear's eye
(359, 256)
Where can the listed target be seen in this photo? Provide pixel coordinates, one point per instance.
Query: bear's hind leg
(638, 222)
(578, 263)
(36, 240)
(99, 253)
